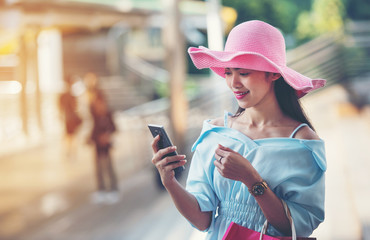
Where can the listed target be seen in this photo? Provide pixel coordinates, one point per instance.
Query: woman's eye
(244, 74)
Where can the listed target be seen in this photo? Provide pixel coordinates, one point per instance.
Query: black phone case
(164, 141)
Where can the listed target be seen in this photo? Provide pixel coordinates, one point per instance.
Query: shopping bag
(238, 232)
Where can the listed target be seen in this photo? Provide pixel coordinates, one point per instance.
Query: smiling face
(250, 87)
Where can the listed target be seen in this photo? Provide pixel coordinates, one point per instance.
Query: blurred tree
(282, 15)
(325, 16)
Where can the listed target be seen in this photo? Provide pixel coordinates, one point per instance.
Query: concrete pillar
(176, 63)
(34, 72)
(22, 78)
(214, 25)
(215, 38)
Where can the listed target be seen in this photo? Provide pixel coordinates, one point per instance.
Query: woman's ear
(275, 76)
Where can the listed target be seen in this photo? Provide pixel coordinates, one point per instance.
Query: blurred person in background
(91, 82)
(247, 165)
(102, 138)
(72, 120)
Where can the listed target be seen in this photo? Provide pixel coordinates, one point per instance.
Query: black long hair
(288, 102)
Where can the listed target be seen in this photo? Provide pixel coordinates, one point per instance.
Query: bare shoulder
(307, 133)
(217, 121)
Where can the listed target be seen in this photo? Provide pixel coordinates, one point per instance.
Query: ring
(220, 159)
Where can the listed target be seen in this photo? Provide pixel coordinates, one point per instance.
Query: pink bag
(237, 232)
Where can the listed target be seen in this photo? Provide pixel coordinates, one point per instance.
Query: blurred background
(81, 79)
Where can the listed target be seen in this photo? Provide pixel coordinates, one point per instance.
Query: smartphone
(164, 141)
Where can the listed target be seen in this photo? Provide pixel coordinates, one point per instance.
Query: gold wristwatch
(258, 189)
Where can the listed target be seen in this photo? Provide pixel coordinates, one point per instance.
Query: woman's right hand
(166, 165)
(184, 201)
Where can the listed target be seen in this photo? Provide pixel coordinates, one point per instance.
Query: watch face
(258, 190)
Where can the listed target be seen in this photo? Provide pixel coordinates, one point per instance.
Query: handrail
(320, 58)
(146, 70)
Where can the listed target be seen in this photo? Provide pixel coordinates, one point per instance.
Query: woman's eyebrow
(236, 69)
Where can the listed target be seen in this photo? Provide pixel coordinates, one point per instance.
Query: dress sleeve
(304, 192)
(200, 180)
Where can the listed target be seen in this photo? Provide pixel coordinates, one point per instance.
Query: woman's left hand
(232, 165)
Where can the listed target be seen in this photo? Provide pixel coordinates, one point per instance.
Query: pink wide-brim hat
(254, 45)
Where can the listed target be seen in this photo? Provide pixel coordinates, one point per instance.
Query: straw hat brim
(217, 61)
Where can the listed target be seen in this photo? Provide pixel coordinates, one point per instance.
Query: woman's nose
(235, 81)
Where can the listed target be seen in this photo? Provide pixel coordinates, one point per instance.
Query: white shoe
(98, 197)
(112, 197)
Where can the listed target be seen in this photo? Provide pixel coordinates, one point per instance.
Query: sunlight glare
(10, 87)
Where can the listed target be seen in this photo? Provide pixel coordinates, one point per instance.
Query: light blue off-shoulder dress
(293, 168)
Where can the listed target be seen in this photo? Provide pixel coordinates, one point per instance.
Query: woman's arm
(184, 201)
(273, 210)
(188, 206)
(236, 167)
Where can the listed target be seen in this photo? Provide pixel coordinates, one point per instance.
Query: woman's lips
(240, 95)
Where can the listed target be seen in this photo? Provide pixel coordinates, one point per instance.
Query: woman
(245, 164)
(72, 120)
(101, 135)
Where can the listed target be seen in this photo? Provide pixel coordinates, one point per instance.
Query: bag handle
(287, 212)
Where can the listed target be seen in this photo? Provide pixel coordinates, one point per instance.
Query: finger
(166, 151)
(224, 148)
(172, 159)
(217, 164)
(221, 153)
(165, 165)
(174, 165)
(159, 155)
(220, 168)
(219, 158)
(155, 144)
